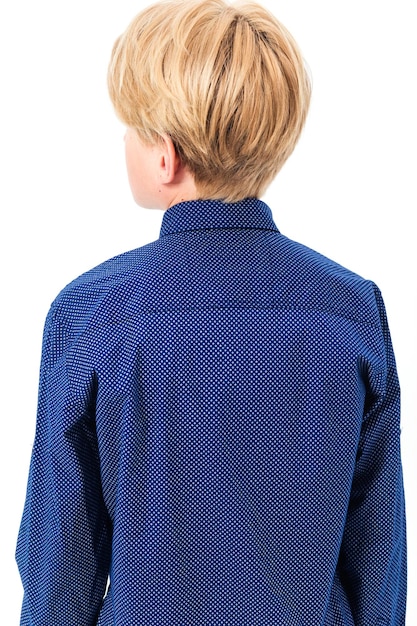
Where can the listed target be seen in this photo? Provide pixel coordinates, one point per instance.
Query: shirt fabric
(218, 434)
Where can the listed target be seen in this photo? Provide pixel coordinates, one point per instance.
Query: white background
(349, 190)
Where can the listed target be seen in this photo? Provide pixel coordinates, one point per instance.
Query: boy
(218, 426)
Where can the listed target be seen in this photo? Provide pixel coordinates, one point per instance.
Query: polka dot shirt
(217, 439)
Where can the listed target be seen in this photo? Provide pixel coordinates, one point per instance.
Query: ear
(169, 161)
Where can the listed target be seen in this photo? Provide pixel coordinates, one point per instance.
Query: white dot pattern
(218, 436)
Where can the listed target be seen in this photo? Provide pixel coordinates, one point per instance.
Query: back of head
(226, 82)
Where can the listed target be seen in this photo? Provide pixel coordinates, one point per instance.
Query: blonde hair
(226, 82)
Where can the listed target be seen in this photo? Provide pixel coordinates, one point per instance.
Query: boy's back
(228, 368)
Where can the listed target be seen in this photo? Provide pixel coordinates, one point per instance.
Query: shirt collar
(207, 214)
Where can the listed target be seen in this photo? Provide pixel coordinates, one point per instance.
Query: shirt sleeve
(373, 556)
(63, 546)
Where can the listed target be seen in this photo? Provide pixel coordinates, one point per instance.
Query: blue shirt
(218, 434)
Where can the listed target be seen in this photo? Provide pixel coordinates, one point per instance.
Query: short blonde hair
(226, 82)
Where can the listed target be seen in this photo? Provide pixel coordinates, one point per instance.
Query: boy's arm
(64, 539)
(373, 556)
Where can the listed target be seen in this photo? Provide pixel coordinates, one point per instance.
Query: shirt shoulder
(318, 282)
(78, 303)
